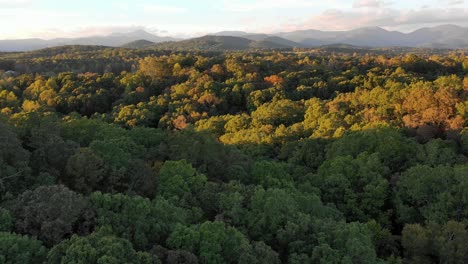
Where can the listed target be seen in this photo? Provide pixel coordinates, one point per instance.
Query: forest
(326, 155)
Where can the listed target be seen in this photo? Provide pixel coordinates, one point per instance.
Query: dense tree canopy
(324, 155)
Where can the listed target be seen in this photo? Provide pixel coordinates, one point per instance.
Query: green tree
(21, 249)
(180, 181)
(52, 213)
(207, 155)
(395, 150)
(85, 171)
(140, 220)
(285, 112)
(84, 131)
(51, 151)
(14, 159)
(435, 243)
(99, 247)
(358, 187)
(174, 256)
(213, 242)
(438, 152)
(116, 152)
(343, 243)
(464, 141)
(155, 67)
(432, 194)
(283, 218)
(315, 109)
(308, 152)
(6, 220)
(271, 174)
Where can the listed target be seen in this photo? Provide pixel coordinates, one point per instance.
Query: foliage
(323, 155)
(51, 213)
(99, 247)
(140, 220)
(21, 249)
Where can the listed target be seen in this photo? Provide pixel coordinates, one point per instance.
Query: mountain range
(112, 40)
(444, 36)
(216, 43)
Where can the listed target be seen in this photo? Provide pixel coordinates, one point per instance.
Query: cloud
(337, 19)
(6, 4)
(452, 2)
(262, 16)
(254, 5)
(102, 30)
(163, 9)
(368, 3)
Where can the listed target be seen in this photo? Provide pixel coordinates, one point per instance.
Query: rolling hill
(138, 44)
(260, 38)
(112, 40)
(444, 36)
(216, 43)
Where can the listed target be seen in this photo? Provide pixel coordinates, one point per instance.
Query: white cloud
(101, 30)
(162, 9)
(452, 2)
(337, 19)
(4, 4)
(254, 5)
(368, 3)
(29, 18)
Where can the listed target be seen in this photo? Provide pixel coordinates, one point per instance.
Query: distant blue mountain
(445, 36)
(113, 40)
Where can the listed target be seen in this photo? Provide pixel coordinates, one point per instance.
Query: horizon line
(145, 30)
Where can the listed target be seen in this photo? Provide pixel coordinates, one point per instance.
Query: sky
(48, 19)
